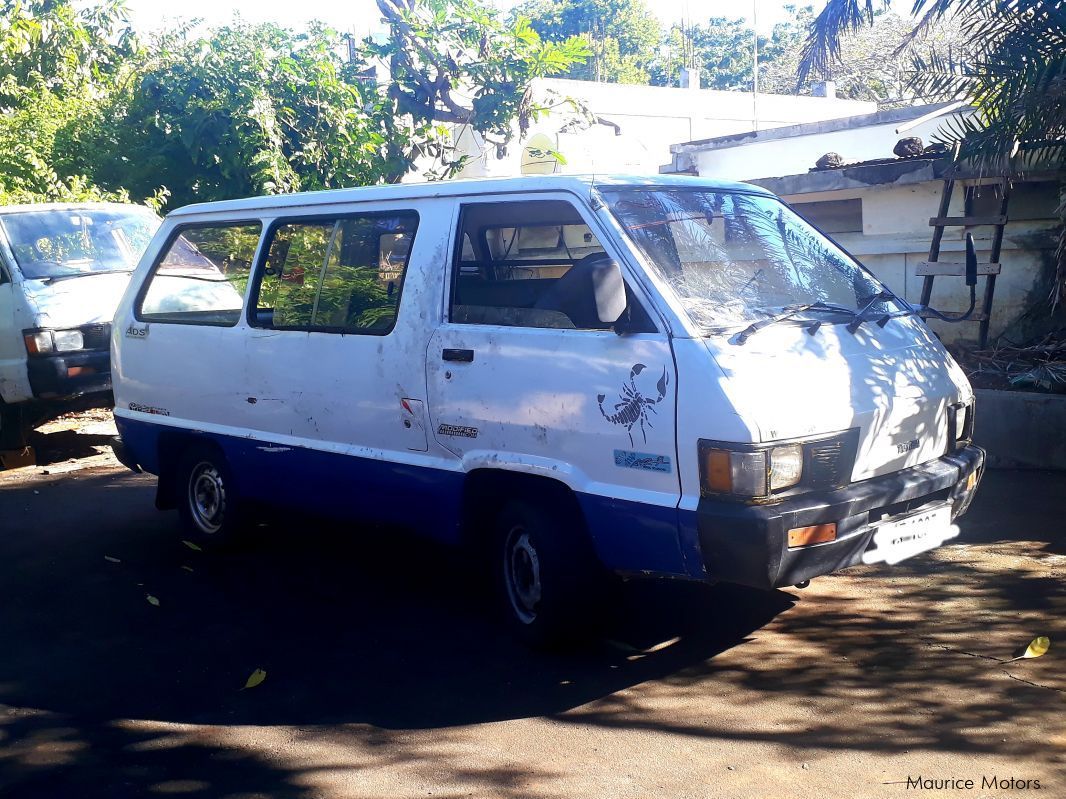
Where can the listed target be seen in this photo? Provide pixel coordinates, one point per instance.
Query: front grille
(97, 337)
(826, 464)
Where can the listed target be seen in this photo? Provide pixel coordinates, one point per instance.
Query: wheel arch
(169, 448)
(486, 490)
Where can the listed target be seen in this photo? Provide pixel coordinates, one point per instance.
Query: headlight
(786, 466)
(961, 422)
(68, 340)
(756, 472)
(47, 342)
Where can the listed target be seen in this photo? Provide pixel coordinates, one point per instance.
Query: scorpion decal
(634, 407)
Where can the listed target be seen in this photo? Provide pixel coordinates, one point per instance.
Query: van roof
(83, 206)
(463, 188)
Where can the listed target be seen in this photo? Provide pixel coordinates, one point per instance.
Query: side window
(291, 274)
(529, 264)
(338, 275)
(201, 276)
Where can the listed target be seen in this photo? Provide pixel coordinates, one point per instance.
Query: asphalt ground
(124, 654)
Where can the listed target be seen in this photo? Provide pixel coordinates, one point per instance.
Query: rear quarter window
(335, 275)
(201, 276)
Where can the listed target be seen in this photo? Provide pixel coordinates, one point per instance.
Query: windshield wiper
(54, 278)
(860, 315)
(788, 312)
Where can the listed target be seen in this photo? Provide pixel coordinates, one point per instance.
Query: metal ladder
(934, 267)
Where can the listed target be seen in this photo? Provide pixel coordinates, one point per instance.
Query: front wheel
(548, 580)
(208, 503)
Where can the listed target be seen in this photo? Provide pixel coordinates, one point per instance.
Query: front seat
(574, 293)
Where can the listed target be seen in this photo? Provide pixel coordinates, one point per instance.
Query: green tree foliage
(58, 59)
(875, 62)
(461, 63)
(243, 109)
(86, 111)
(622, 36)
(71, 47)
(1013, 69)
(722, 49)
(871, 65)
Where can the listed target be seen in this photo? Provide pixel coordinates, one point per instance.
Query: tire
(547, 575)
(210, 509)
(14, 428)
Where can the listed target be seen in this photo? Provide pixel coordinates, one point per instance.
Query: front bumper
(748, 544)
(70, 374)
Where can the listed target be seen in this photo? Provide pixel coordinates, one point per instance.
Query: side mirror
(610, 291)
(971, 261)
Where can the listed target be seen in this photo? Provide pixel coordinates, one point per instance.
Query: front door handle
(464, 356)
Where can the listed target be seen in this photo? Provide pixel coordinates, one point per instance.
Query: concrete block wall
(1021, 430)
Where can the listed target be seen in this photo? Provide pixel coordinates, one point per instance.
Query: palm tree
(1013, 74)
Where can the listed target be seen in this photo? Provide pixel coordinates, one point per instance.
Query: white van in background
(63, 268)
(663, 376)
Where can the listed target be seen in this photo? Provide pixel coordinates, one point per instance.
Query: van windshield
(61, 243)
(734, 258)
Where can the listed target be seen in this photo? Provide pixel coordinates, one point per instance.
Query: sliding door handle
(464, 356)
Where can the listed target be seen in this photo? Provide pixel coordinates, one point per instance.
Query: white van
(664, 376)
(63, 268)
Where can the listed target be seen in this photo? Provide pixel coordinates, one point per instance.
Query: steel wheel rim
(207, 497)
(522, 575)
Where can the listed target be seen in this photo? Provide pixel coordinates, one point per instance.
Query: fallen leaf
(192, 546)
(111, 559)
(152, 600)
(1037, 647)
(255, 678)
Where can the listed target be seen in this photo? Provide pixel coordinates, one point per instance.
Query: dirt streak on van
(668, 377)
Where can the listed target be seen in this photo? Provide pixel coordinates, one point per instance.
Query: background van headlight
(47, 342)
(68, 340)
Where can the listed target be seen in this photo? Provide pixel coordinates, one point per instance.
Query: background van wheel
(15, 427)
(547, 575)
(207, 499)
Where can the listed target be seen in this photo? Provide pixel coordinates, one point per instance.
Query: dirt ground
(123, 656)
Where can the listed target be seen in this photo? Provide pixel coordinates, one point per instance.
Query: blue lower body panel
(633, 537)
(324, 483)
(629, 537)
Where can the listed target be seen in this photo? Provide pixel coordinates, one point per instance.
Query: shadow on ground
(66, 445)
(393, 633)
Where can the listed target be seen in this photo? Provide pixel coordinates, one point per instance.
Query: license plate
(899, 539)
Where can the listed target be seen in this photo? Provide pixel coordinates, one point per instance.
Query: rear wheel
(207, 499)
(546, 571)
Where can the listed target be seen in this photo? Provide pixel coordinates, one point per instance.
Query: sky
(363, 16)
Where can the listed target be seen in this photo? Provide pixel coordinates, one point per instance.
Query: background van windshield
(70, 242)
(734, 258)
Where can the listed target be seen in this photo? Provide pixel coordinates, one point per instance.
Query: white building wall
(798, 154)
(896, 234)
(650, 119)
(896, 237)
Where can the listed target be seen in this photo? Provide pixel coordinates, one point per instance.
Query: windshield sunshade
(733, 259)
